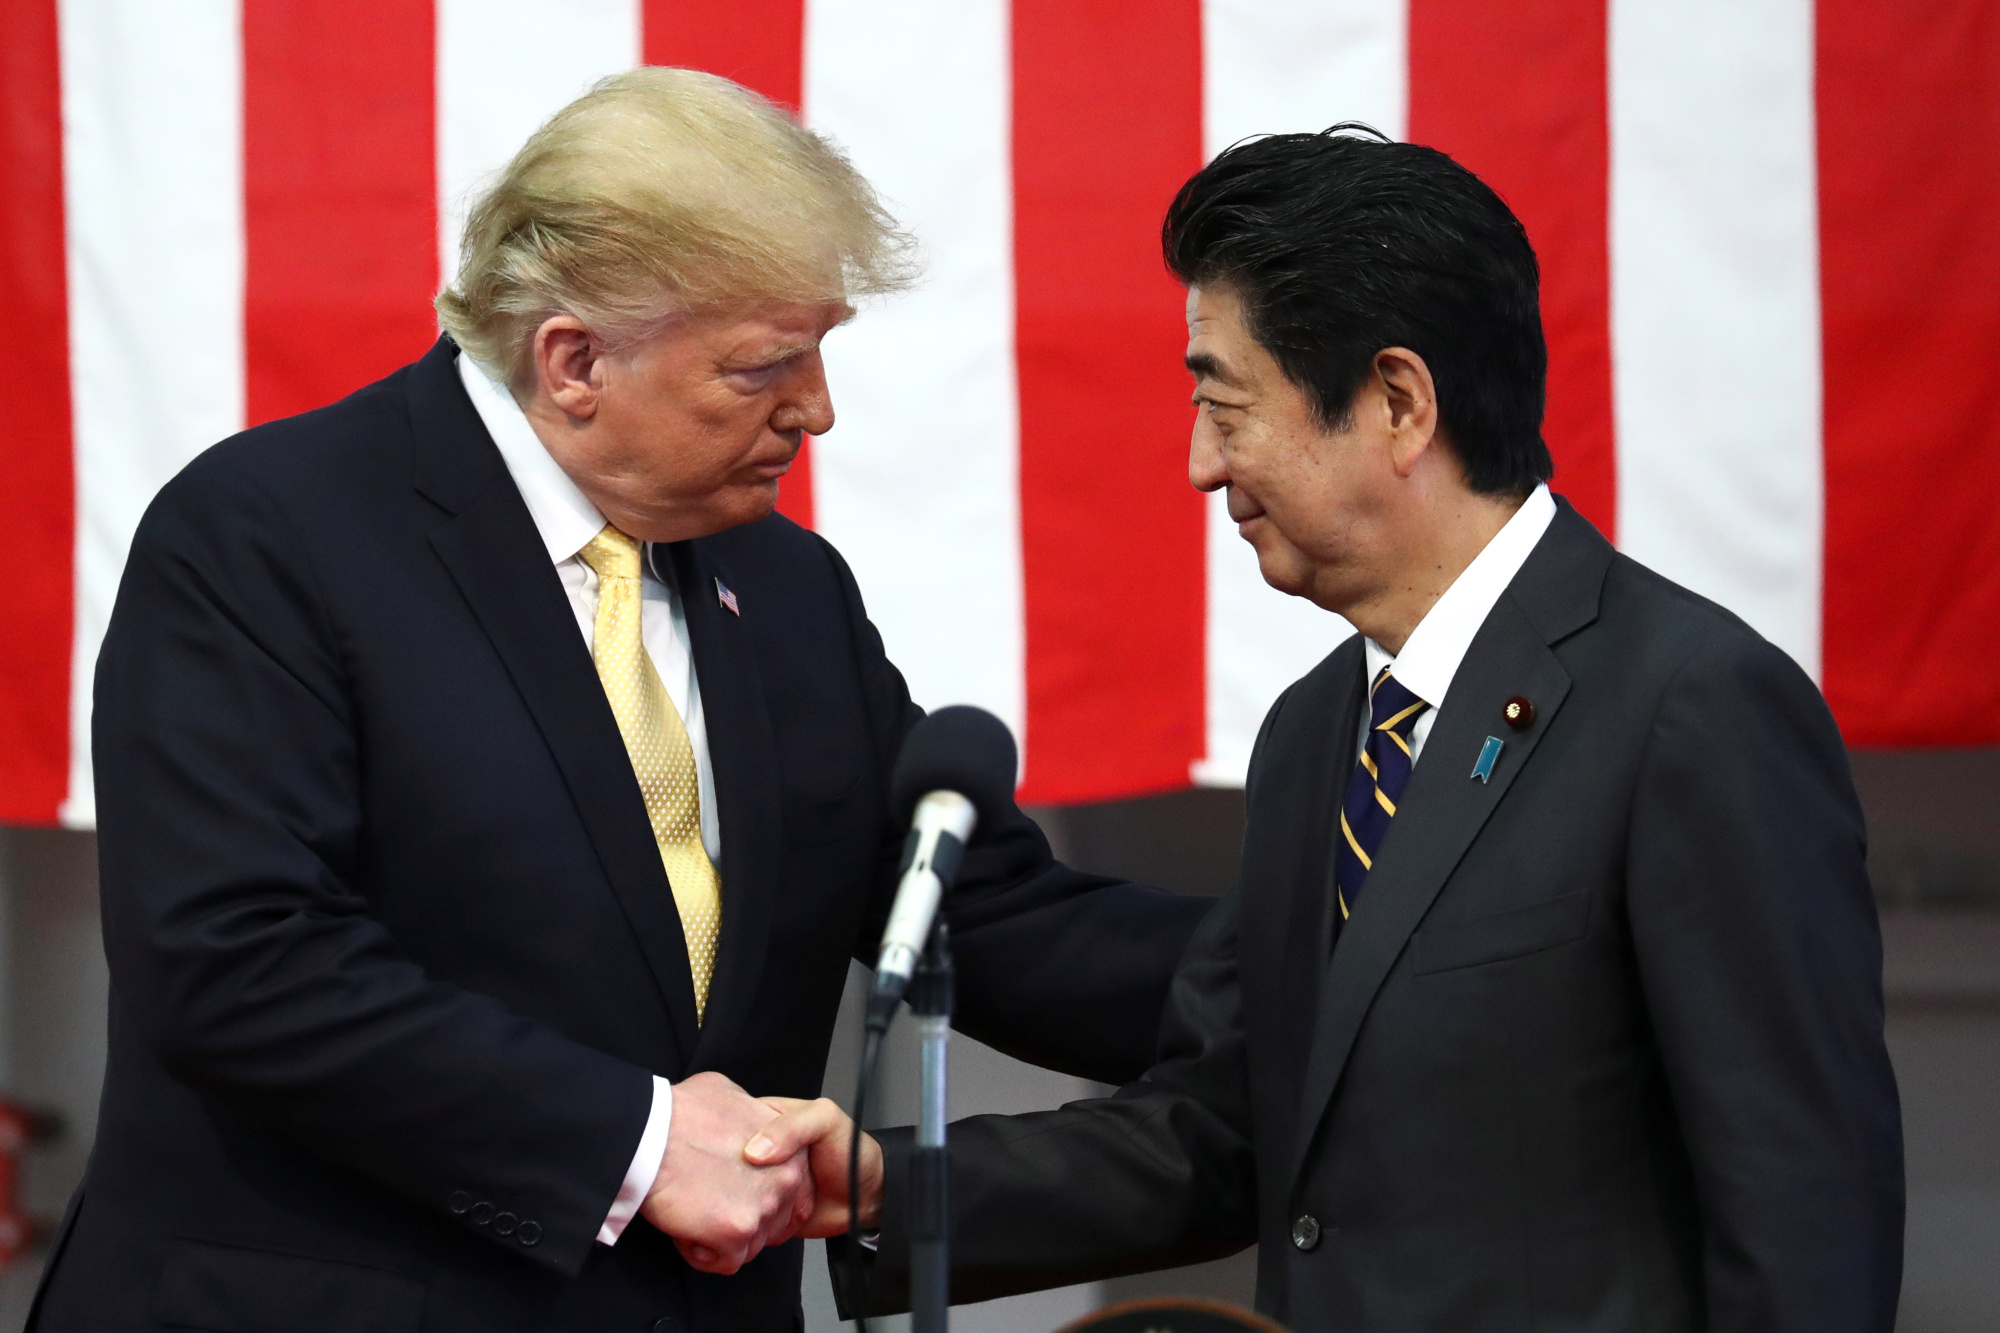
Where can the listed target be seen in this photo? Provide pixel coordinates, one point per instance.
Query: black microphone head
(961, 749)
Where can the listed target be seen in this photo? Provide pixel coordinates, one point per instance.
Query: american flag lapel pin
(727, 598)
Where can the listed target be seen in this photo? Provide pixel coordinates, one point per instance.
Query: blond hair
(661, 191)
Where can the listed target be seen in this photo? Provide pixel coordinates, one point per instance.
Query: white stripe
(504, 67)
(1715, 305)
(1289, 66)
(918, 483)
(153, 191)
(1278, 66)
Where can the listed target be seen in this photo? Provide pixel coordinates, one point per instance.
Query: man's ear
(568, 366)
(1411, 397)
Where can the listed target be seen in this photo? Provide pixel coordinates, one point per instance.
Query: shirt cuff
(645, 1166)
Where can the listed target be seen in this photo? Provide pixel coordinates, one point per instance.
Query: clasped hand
(742, 1172)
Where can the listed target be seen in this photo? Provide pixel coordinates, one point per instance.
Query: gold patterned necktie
(662, 756)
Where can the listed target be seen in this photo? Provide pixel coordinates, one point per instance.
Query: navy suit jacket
(393, 955)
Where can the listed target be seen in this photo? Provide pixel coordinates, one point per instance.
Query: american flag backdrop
(1770, 236)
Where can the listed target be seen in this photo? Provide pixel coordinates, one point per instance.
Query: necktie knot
(1393, 707)
(613, 554)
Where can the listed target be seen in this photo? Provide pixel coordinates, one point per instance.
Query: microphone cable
(857, 1272)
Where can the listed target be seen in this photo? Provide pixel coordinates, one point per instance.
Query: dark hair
(1341, 245)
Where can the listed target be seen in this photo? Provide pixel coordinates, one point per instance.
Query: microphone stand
(930, 997)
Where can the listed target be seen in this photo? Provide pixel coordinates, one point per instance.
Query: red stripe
(1107, 126)
(339, 197)
(760, 44)
(37, 489)
(795, 492)
(1516, 92)
(1909, 189)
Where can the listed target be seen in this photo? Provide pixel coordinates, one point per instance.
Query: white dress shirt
(567, 520)
(1431, 654)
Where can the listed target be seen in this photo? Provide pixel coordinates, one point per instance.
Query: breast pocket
(1511, 934)
(227, 1289)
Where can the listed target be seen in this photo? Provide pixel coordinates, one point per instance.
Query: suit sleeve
(1760, 957)
(1159, 1175)
(231, 835)
(1059, 968)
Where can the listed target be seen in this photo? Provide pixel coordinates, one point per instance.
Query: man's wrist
(645, 1167)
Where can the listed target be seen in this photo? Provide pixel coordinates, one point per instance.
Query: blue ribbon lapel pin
(1489, 755)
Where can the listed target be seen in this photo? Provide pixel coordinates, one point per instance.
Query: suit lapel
(493, 553)
(1444, 808)
(743, 752)
(1292, 933)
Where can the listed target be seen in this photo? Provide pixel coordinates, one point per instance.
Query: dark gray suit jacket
(1600, 1049)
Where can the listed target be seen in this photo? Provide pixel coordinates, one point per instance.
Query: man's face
(1308, 499)
(689, 433)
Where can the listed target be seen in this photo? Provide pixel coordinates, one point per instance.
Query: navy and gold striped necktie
(1376, 787)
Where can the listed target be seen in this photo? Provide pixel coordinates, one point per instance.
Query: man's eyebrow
(771, 353)
(1205, 366)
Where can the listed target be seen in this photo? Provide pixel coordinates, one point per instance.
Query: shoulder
(305, 461)
(250, 530)
(1714, 675)
(1684, 631)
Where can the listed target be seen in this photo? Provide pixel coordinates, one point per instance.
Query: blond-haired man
(492, 788)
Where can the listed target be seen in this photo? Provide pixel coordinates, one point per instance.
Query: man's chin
(1276, 561)
(752, 501)
(1284, 571)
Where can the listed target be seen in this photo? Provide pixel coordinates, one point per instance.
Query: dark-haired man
(1548, 996)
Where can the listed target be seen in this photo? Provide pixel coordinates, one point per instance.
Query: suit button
(1305, 1234)
(505, 1223)
(459, 1201)
(482, 1213)
(530, 1233)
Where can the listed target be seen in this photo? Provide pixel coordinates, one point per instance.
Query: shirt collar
(1431, 654)
(564, 516)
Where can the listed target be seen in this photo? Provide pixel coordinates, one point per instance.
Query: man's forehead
(805, 321)
(1211, 340)
(781, 328)
(1208, 318)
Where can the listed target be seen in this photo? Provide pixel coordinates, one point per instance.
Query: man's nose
(808, 403)
(1206, 468)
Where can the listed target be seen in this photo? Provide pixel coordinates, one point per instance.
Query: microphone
(956, 769)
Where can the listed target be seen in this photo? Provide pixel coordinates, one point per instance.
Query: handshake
(743, 1172)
